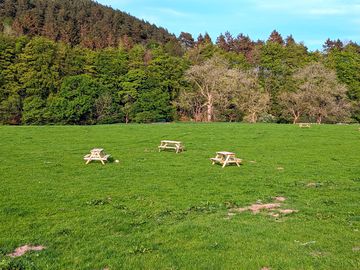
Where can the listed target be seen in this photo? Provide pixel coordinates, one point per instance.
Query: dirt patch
(265, 268)
(23, 249)
(314, 185)
(280, 168)
(271, 208)
(319, 254)
(274, 214)
(256, 208)
(356, 249)
(287, 211)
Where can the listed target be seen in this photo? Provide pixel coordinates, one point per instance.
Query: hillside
(77, 22)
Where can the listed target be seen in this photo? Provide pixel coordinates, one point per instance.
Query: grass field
(171, 211)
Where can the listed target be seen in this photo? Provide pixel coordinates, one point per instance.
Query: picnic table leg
(217, 156)
(103, 163)
(226, 161)
(88, 161)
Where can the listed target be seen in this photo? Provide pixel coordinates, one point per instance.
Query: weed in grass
(136, 250)
(120, 206)
(356, 179)
(204, 207)
(98, 202)
(14, 211)
(63, 232)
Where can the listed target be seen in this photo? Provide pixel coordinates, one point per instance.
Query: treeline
(77, 22)
(47, 82)
(271, 81)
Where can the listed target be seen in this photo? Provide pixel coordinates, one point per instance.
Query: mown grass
(169, 211)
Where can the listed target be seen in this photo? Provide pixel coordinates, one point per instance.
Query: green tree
(76, 101)
(131, 85)
(346, 62)
(11, 93)
(39, 77)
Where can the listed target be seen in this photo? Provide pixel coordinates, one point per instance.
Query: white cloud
(327, 11)
(171, 12)
(311, 7)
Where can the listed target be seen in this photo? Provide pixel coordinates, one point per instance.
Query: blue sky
(310, 21)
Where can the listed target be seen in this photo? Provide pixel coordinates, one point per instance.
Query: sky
(309, 21)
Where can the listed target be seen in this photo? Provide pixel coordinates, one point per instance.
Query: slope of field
(177, 211)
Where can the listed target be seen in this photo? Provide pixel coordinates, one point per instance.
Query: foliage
(84, 23)
(75, 102)
(42, 81)
(325, 97)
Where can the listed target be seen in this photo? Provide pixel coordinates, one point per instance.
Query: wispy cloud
(171, 12)
(327, 11)
(161, 15)
(311, 7)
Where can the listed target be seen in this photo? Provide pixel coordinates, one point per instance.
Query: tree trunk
(296, 116)
(319, 119)
(253, 117)
(209, 109)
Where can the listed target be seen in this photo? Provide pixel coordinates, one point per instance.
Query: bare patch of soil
(280, 199)
(23, 249)
(287, 211)
(272, 208)
(319, 254)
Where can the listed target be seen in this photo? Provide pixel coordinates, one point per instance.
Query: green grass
(169, 211)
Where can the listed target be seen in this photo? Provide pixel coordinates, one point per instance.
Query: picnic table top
(168, 141)
(97, 150)
(225, 153)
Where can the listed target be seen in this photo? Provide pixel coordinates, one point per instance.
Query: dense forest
(68, 76)
(77, 22)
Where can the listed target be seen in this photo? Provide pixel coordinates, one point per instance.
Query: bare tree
(190, 104)
(294, 104)
(251, 99)
(213, 82)
(325, 96)
(219, 90)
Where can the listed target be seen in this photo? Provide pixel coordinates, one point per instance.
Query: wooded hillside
(82, 22)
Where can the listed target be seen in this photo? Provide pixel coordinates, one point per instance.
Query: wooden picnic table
(226, 158)
(175, 145)
(304, 125)
(96, 154)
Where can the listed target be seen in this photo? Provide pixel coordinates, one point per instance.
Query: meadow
(177, 211)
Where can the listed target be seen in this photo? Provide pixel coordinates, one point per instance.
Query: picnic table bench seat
(216, 159)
